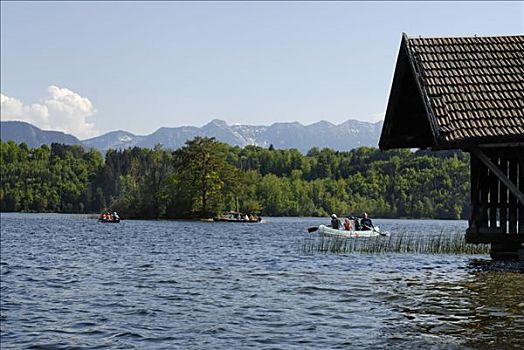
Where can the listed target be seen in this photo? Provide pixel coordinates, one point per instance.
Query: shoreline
(95, 216)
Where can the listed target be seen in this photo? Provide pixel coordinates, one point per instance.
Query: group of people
(109, 216)
(246, 217)
(240, 216)
(361, 224)
(234, 216)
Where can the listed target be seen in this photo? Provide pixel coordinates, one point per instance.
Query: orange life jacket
(347, 225)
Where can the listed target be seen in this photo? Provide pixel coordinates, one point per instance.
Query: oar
(312, 229)
(385, 233)
(369, 228)
(374, 230)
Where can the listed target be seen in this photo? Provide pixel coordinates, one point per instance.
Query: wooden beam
(493, 238)
(509, 184)
(520, 158)
(502, 145)
(468, 145)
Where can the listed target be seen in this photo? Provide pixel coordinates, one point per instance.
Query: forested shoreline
(206, 177)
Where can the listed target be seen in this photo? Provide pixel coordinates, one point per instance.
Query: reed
(443, 243)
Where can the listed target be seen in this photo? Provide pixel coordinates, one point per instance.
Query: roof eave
(474, 143)
(415, 69)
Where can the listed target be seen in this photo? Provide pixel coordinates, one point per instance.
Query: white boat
(329, 231)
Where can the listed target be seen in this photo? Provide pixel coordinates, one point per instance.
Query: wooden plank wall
(496, 213)
(520, 160)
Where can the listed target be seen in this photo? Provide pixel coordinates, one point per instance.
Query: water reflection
(484, 309)
(493, 266)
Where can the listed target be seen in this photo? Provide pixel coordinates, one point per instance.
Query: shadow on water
(483, 309)
(496, 266)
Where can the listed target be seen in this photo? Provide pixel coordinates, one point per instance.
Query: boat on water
(330, 232)
(237, 217)
(109, 217)
(220, 219)
(114, 221)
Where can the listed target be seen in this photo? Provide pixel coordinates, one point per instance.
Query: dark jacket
(366, 223)
(335, 223)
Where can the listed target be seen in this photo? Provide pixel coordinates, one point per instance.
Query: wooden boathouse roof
(456, 93)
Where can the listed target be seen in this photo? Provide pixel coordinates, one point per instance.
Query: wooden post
(512, 229)
(474, 178)
(494, 203)
(484, 192)
(473, 198)
(519, 152)
(504, 197)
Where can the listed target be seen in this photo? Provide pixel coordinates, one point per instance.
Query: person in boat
(335, 222)
(116, 216)
(366, 223)
(348, 225)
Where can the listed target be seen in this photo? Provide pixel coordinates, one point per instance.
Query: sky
(87, 68)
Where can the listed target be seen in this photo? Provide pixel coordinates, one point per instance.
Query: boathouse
(468, 93)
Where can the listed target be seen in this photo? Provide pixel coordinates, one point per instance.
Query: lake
(69, 282)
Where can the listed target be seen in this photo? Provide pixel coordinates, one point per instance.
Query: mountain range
(342, 137)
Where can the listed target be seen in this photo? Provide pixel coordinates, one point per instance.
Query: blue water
(69, 282)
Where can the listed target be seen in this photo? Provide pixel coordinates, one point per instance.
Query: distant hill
(33, 136)
(345, 136)
(113, 140)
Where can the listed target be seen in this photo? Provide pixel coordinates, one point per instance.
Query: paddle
(372, 229)
(385, 233)
(312, 229)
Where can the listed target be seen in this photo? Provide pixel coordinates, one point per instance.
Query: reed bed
(443, 243)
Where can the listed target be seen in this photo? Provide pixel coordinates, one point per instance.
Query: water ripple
(68, 282)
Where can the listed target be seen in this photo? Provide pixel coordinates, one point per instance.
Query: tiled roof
(475, 85)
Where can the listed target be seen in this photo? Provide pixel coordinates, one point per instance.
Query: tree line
(206, 177)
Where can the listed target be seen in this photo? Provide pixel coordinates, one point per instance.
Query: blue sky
(92, 67)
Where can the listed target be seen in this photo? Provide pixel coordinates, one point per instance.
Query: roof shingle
(475, 86)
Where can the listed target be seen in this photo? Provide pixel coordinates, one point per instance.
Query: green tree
(200, 168)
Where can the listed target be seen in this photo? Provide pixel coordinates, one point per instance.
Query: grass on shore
(449, 243)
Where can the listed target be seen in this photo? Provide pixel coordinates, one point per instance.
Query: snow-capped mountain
(343, 137)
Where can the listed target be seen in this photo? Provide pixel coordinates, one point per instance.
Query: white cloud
(62, 109)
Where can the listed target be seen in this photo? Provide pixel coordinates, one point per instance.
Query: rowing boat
(113, 221)
(221, 219)
(235, 216)
(329, 231)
